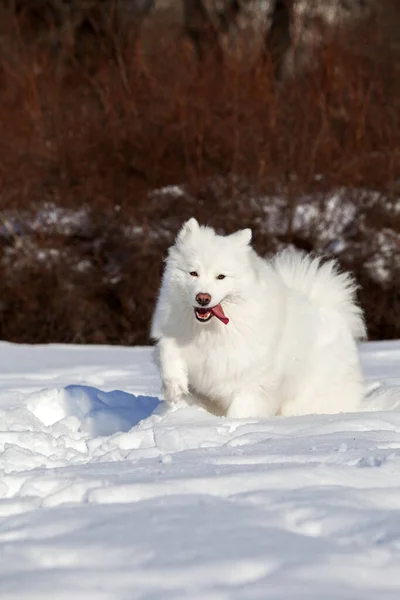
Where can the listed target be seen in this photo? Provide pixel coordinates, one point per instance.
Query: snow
(106, 494)
(176, 191)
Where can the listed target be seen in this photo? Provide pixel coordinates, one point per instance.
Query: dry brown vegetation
(91, 130)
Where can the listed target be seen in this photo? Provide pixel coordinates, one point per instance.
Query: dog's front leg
(173, 371)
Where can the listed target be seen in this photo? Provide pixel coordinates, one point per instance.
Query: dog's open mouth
(205, 314)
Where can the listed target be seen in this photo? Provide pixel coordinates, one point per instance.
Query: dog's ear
(187, 229)
(242, 237)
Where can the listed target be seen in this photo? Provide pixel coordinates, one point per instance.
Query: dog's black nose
(203, 299)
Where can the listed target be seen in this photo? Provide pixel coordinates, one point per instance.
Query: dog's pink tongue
(218, 312)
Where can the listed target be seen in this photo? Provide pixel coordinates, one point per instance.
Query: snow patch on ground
(333, 223)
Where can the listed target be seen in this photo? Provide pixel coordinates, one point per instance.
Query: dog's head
(209, 269)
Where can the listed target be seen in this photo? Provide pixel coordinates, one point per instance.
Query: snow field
(106, 494)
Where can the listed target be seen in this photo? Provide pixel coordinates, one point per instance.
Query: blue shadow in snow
(105, 413)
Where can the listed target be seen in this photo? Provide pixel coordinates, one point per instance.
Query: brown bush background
(99, 129)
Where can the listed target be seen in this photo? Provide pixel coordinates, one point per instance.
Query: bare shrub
(102, 159)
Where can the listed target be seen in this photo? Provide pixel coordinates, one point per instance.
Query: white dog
(246, 337)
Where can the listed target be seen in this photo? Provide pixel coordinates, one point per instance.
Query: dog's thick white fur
(290, 347)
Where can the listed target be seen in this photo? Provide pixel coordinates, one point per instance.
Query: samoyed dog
(247, 337)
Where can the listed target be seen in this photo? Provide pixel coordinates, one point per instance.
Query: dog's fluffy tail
(323, 284)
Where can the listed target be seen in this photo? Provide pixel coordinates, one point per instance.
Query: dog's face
(209, 269)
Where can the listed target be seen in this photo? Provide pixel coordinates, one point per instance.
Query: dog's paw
(175, 391)
(248, 406)
(236, 411)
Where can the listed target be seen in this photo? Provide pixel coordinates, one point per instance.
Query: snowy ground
(104, 495)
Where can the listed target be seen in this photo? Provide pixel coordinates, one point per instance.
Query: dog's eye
(194, 273)
(221, 276)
